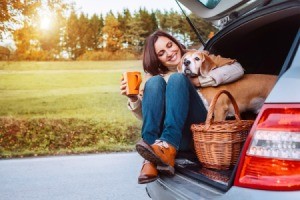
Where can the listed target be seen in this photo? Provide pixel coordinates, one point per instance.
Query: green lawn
(58, 91)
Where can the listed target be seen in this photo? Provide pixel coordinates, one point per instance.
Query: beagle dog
(250, 91)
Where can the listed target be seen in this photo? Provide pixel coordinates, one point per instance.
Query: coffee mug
(133, 80)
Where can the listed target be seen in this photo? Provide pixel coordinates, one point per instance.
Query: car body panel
(284, 89)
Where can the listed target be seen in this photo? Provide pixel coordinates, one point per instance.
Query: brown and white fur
(250, 91)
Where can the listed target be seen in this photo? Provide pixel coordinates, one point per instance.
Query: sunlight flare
(45, 23)
(46, 18)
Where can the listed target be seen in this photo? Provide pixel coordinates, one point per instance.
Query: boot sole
(146, 152)
(148, 180)
(168, 170)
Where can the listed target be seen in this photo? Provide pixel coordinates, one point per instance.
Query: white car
(264, 36)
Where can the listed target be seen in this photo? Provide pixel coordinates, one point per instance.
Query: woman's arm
(136, 107)
(220, 75)
(227, 73)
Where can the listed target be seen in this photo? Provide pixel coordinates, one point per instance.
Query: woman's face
(167, 51)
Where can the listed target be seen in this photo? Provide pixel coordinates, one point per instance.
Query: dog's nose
(187, 70)
(186, 62)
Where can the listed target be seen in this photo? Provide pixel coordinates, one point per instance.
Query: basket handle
(211, 108)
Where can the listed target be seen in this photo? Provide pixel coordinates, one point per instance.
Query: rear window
(210, 3)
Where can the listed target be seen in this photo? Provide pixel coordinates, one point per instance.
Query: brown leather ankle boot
(160, 153)
(148, 173)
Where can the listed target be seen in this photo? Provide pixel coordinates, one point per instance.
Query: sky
(103, 6)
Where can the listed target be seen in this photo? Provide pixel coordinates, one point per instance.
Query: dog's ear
(207, 64)
(201, 56)
(209, 61)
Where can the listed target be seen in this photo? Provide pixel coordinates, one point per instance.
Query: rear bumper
(180, 187)
(245, 193)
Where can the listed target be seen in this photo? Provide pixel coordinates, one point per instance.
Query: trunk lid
(221, 12)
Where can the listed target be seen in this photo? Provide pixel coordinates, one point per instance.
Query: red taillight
(271, 157)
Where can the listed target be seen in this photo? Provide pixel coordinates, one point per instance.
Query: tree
(25, 41)
(125, 19)
(4, 53)
(204, 28)
(14, 13)
(95, 32)
(112, 33)
(72, 34)
(173, 22)
(149, 22)
(8, 13)
(83, 30)
(161, 19)
(141, 26)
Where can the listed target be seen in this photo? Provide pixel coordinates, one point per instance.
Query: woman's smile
(167, 52)
(173, 57)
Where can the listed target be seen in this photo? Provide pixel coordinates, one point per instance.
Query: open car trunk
(261, 44)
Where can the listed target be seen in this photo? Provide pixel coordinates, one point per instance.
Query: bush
(28, 137)
(108, 55)
(36, 55)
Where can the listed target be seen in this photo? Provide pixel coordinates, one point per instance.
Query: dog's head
(195, 63)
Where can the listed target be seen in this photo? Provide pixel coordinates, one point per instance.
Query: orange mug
(133, 80)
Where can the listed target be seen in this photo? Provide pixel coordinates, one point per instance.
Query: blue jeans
(169, 110)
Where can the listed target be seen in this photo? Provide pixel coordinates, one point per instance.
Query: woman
(170, 103)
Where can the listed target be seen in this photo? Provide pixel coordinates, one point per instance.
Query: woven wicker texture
(218, 143)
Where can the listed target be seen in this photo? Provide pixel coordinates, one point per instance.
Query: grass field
(54, 92)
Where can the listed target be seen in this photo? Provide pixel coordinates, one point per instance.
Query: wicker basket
(218, 143)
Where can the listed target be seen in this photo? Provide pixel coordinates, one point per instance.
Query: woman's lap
(170, 109)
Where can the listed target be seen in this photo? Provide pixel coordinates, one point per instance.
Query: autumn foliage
(71, 36)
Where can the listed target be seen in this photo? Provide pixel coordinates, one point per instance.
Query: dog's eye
(197, 58)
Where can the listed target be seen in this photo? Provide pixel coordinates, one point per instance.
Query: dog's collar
(193, 75)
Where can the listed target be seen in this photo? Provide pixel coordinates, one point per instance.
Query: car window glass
(210, 3)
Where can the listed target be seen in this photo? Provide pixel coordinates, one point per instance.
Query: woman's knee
(178, 79)
(155, 83)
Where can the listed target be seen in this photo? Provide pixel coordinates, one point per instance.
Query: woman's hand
(195, 81)
(123, 87)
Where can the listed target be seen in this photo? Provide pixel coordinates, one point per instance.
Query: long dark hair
(151, 63)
